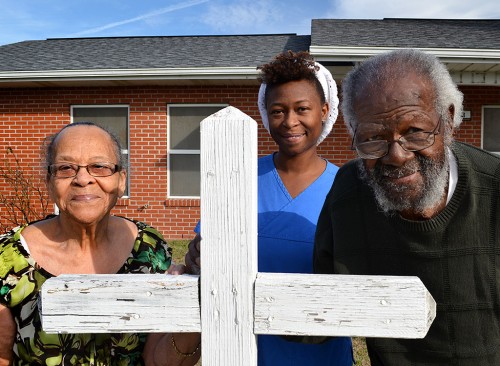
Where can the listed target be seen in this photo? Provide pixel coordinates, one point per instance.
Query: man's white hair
(397, 64)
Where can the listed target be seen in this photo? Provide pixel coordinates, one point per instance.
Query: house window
(184, 147)
(112, 117)
(491, 129)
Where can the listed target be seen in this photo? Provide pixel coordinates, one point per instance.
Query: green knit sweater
(455, 254)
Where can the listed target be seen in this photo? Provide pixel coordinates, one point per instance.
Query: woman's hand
(176, 269)
(172, 349)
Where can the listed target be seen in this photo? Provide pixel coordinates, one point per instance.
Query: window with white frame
(114, 118)
(491, 128)
(184, 147)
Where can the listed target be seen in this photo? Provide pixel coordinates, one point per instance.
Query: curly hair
(290, 66)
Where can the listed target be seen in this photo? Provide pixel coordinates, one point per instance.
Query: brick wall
(474, 98)
(29, 115)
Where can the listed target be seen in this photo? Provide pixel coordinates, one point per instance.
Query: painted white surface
(146, 303)
(338, 305)
(229, 232)
(288, 304)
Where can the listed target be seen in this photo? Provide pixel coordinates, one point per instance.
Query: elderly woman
(85, 178)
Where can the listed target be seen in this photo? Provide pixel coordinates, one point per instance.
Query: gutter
(452, 55)
(213, 73)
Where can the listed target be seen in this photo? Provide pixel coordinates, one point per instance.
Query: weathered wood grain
(336, 305)
(120, 303)
(229, 232)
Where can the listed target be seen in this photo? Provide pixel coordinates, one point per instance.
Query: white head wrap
(330, 90)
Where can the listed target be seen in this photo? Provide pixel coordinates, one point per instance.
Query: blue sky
(40, 19)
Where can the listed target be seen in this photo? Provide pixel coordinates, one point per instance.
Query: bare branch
(23, 197)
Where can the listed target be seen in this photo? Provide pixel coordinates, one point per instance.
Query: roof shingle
(147, 52)
(406, 33)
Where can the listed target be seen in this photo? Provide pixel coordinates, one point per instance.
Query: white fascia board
(214, 73)
(445, 54)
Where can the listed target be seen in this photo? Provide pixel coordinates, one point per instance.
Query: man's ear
(451, 117)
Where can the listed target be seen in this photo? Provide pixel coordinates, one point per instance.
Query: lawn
(179, 248)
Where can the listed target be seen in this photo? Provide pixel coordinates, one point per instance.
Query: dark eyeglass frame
(53, 169)
(401, 141)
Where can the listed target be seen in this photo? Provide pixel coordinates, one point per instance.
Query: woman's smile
(84, 197)
(293, 137)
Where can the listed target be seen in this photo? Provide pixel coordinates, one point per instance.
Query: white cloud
(243, 16)
(143, 17)
(432, 9)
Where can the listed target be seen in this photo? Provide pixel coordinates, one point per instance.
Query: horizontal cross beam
(287, 304)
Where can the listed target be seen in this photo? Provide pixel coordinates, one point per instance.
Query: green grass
(360, 352)
(179, 248)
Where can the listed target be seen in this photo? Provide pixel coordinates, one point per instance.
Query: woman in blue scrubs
(298, 104)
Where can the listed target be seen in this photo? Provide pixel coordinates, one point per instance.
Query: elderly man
(417, 203)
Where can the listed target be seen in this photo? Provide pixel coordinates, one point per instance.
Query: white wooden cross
(237, 302)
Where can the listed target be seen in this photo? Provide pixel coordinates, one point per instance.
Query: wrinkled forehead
(83, 137)
(82, 133)
(389, 94)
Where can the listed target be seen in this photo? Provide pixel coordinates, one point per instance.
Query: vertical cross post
(228, 228)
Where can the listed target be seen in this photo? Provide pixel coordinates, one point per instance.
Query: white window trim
(497, 106)
(182, 151)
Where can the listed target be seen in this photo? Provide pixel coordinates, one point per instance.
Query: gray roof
(466, 46)
(243, 50)
(406, 33)
(147, 52)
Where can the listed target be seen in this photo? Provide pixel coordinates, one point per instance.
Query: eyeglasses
(414, 141)
(66, 170)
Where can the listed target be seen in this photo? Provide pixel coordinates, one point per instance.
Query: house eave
(138, 76)
(343, 54)
(466, 66)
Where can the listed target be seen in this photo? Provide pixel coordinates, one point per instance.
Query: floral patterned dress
(20, 282)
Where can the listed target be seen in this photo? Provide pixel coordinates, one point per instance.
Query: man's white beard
(435, 175)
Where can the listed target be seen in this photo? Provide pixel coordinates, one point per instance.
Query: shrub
(23, 197)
